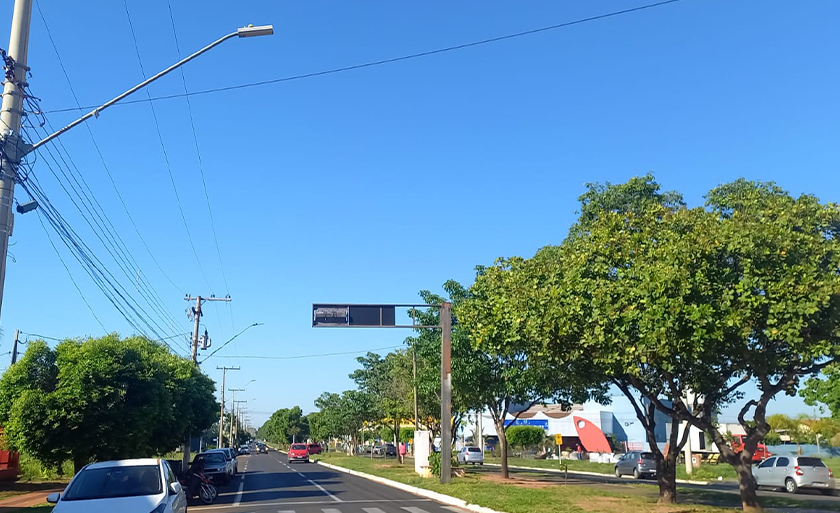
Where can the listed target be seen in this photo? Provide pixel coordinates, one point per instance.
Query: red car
(314, 448)
(298, 452)
(761, 453)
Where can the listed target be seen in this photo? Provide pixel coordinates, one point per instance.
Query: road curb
(422, 492)
(585, 473)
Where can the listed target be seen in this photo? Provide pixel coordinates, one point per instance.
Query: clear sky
(369, 185)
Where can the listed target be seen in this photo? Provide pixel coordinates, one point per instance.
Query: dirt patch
(523, 482)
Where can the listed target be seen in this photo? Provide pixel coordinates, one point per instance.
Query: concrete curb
(585, 473)
(422, 492)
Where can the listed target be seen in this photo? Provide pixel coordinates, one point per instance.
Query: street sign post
(336, 315)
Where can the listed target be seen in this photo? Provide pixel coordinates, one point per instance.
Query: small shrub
(434, 463)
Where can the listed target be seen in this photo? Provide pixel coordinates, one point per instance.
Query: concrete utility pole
(11, 143)
(222, 409)
(446, 393)
(233, 411)
(197, 314)
(237, 421)
(414, 371)
(14, 347)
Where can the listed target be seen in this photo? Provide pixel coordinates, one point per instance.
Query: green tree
(285, 426)
(525, 436)
(824, 391)
(500, 372)
(342, 416)
(101, 399)
(388, 381)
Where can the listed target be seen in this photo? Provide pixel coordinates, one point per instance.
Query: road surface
(268, 484)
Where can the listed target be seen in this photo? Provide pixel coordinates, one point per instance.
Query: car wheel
(636, 473)
(617, 472)
(790, 486)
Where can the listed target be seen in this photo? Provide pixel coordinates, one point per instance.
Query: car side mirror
(174, 488)
(53, 497)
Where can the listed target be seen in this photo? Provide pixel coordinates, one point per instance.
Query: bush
(525, 436)
(406, 434)
(434, 463)
(33, 470)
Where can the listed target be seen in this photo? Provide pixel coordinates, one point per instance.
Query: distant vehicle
(262, 448)
(471, 455)
(126, 486)
(390, 449)
(215, 466)
(795, 472)
(637, 463)
(761, 453)
(298, 452)
(314, 448)
(244, 449)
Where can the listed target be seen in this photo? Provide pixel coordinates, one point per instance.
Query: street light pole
(14, 148)
(11, 143)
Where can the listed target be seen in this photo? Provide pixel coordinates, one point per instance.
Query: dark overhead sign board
(368, 316)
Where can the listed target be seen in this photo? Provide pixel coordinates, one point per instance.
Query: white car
(244, 449)
(127, 486)
(471, 455)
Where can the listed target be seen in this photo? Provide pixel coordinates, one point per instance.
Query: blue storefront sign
(528, 422)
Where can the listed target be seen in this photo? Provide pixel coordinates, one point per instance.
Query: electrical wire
(386, 61)
(201, 172)
(229, 341)
(99, 151)
(42, 337)
(163, 148)
(297, 357)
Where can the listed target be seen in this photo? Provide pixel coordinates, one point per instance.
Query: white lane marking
(238, 498)
(372, 510)
(310, 503)
(330, 510)
(286, 511)
(331, 496)
(453, 508)
(412, 509)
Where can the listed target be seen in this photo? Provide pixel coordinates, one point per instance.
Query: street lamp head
(251, 31)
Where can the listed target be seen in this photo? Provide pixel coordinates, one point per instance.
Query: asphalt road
(723, 487)
(267, 483)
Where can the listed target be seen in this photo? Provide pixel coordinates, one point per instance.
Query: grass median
(530, 494)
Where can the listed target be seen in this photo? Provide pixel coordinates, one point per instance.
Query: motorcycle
(206, 492)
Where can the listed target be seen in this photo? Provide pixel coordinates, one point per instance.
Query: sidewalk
(25, 500)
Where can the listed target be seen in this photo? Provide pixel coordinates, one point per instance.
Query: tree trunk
(746, 483)
(503, 447)
(667, 478)
(78, 463)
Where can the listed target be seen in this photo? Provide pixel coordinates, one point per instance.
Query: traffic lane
(723, 487)
(272, 485)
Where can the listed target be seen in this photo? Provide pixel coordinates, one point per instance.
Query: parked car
(127, 486)
(298, 452)
(314, 448)
(230, 458)
(471, 455)
(761, 453)
(637, 463)
(795, 472)
(244, 449)
(215, 465)
(390, 450)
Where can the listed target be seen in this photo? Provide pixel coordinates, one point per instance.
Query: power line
(297, 357)
(386, 61)
(163, 147)
(99, 151)
(201, 170)
(229, 341)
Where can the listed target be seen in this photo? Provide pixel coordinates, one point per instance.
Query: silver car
(471, 455)
(636, 463)
(795, 472)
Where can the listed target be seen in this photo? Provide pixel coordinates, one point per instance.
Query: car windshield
(811, 462)
(112, 482)
(212, 459)
(474, 449)
(647, 456)
(298, 447)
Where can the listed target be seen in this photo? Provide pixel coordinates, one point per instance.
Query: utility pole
(414, 370)
(222, 409)
(11, 143)
(446, 392)
(233, 411)
(14, 347)
(197, 314)
(237, 422)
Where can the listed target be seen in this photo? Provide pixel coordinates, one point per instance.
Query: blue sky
(369, 185)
